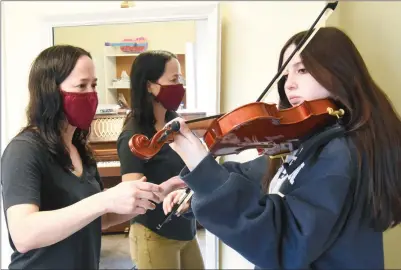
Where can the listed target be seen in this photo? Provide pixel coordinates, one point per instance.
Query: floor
(115, 250)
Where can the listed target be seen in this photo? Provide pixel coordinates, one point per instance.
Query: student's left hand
(187, 145)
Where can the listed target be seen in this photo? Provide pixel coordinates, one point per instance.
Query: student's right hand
(132, 197)
(173, 198)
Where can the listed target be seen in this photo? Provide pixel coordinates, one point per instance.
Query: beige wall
(375, 29)
(171, 36)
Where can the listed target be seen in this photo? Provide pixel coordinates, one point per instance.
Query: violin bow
(317, 24)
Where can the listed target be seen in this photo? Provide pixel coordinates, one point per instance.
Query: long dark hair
(45, 113)
(371, 123)
(147, 67)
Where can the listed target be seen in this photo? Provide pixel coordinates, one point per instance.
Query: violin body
(255, 125)
(261, 125)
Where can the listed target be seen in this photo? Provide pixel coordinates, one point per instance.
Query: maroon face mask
(80, 108)
(170, 96)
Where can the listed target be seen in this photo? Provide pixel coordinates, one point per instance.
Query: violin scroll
(144, 148)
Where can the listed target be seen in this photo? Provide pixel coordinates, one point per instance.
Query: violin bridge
(338, 113)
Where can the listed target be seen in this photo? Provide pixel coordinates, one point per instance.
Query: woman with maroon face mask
(53, 198)
(156, 93)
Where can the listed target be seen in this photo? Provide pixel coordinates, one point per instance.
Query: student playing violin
(331, 211)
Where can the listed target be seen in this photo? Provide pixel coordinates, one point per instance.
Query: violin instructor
(330, 213)
(54, 202)
(157, 91)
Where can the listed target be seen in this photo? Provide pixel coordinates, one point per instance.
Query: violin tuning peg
(339, 113)
(175, 126)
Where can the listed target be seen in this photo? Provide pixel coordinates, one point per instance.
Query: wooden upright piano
(105, 130)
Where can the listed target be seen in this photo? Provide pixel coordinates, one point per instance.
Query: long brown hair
(371, 121)
(45, 111)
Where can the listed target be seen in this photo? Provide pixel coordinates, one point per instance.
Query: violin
(255, 125)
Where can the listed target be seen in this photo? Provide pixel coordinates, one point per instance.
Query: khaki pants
(152, 251)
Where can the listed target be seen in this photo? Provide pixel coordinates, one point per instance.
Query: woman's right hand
(132, 197)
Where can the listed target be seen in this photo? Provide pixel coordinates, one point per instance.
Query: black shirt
(29, 176)
(164, 165)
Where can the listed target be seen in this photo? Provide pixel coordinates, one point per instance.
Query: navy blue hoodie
(313, 222)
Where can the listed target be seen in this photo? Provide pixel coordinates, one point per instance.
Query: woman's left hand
(187, 145)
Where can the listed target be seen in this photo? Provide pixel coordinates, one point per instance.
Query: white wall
(201, 62)
(5, 249)
(253, 34)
